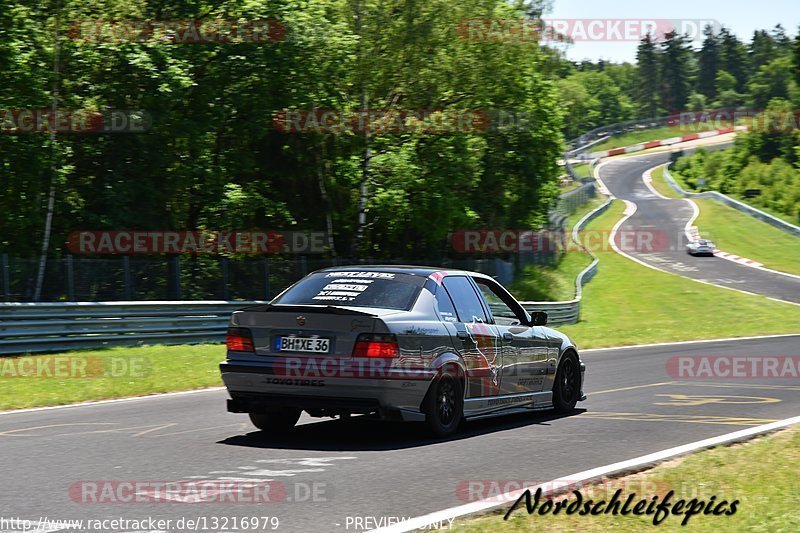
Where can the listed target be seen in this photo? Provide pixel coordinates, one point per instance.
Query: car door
(475, 338)
(527, 346)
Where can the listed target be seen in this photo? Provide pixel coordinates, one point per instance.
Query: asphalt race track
(667, 219)
(363, 468)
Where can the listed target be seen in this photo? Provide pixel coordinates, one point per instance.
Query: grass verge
(552, 283)
(628, 303)
(737, 233)
(660, 184)
(582, 170)
(740, 234)
(761, 474)
(85, 375)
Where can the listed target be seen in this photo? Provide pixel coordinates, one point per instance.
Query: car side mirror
(538, 318)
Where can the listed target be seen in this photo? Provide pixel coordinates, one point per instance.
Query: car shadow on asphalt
(364, 433)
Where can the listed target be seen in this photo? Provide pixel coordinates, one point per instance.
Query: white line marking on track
(647, 178)
(115, 400)
(691, 231)
(593, 474)
(782, 301)
(680, 343)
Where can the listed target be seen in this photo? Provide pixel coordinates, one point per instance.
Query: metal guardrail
(590, 138)
(736, 204)
(60, 326)
(52, 327)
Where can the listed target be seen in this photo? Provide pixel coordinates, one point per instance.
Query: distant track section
(665, 142)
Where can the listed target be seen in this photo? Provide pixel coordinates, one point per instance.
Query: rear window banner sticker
(340, 296)
(338, 291)
(379, 275)
(354, 288)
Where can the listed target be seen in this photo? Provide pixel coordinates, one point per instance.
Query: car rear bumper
(256, 387)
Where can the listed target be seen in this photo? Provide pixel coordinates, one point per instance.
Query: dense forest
(762, 167)
(212, 157)
(766, 160)
(216, 156)
(671, 76)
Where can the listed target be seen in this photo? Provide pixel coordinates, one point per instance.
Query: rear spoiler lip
(329, 309)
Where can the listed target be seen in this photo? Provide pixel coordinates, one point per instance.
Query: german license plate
(302, 344)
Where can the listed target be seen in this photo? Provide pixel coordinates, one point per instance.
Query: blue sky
(743, 17)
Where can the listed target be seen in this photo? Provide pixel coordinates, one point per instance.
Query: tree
(592, 99)
(796, 58)
(624, 76)
(771, 81)
(709, 63)
(763, 49)
(697, 102)
(783, 42)
(676, 69)
(726, 91)
(648, 75)
(733, 54)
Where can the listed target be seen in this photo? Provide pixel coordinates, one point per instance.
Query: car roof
(424, 271)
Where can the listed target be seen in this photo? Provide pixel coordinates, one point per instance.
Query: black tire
(567, 387)
(275, 420)
(444, 405)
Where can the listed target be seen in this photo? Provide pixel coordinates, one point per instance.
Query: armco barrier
(736, 204)
(60, 326)
(52, 327)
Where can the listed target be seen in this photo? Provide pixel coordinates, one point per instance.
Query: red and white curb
(693, 234)
(665, 142)
(737, 259)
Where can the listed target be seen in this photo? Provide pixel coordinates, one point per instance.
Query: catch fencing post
(266, 278)
(223, 265)
(6, 282)
(175, 264)
(126, 277)
(70, 278)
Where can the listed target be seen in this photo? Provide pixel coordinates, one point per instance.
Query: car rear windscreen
(389, 290)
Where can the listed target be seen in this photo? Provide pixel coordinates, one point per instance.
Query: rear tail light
(239, 340)
(377, 346)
